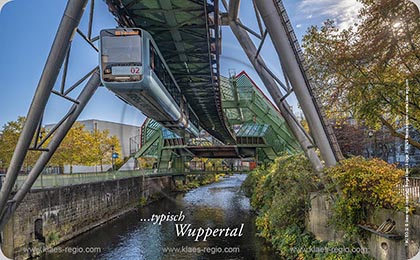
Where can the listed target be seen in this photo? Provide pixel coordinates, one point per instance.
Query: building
(122, 131)
(413, 152)
(356, 139)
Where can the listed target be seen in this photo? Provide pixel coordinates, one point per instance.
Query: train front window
(121, 49)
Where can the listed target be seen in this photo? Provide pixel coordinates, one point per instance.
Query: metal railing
(413, 189)
(57, 180)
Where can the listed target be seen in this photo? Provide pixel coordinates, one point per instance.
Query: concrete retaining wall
(380, 247)
(389, 249)
(319, 216)
(51, 216)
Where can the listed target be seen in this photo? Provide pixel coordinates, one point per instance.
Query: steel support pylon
(258, 63)
(52, 146)
(64, 36)
(276, 29)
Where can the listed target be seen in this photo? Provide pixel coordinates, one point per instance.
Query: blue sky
(27, 29)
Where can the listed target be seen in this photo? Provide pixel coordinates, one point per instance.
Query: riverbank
(217, 205)
(52, 216)
(49, 217)
(192, 182)
(280, 196)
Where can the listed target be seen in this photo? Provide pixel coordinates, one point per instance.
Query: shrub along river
(210, 222)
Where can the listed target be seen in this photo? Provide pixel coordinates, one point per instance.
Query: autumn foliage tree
(74, 149)
(361, 72)
(350, 138)
(79, 147)
(102, 146)
(9, 136)
(82, 147)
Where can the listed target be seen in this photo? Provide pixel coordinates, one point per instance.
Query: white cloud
(309, 16)
(298, 25)
(344, 12)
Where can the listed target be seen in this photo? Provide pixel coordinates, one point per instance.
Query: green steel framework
(245, 104)
(257, 123)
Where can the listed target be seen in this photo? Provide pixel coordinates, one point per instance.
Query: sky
(27, 30)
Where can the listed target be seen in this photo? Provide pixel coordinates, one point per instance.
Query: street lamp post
(112, 156)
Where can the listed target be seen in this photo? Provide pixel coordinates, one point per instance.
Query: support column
(69, 22)
(256, 60)
(55, 141)
(274, 24)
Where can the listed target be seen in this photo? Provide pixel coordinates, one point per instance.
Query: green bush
(53, 237)
(143, 202)
(280, 195)
(366, 185)
(250, 183)
(283, 193)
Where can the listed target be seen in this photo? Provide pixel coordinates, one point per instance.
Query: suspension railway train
(132, 67)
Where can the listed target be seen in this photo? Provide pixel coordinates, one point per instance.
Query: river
(218, 205)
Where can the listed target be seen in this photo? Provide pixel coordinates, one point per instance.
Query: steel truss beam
(234, 9)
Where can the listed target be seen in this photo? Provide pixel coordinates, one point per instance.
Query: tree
(74, 149)
(145, 163)
(361, 72)
(9, 137)
(79, 147)
(102, 147)
(350, 138)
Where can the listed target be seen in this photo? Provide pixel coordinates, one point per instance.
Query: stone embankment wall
(48, 217)
(379, 246)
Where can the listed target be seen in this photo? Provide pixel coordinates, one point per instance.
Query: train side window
(152, 56)
(158, 66)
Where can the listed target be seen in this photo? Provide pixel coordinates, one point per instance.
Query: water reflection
(218, 205)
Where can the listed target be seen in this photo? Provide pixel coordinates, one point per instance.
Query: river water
(219, 205)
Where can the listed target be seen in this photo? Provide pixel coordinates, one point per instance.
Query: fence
(413, 188)
(56, 180)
